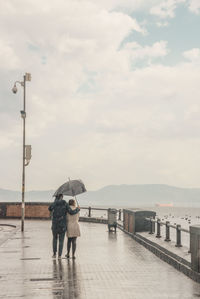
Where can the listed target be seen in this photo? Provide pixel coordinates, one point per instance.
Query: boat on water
(164, 205)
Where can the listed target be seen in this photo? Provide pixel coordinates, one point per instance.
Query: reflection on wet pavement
(108, 265)
(66, 283)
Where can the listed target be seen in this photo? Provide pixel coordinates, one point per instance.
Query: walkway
(107, 266)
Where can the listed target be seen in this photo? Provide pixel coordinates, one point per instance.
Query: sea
(175, 215)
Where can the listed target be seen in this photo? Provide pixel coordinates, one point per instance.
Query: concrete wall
(134, 220)
(37, 210)
(195, 247)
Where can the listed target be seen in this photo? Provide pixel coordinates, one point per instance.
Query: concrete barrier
(134, 220)
(36, 210)
(33, 210)
(195, 247)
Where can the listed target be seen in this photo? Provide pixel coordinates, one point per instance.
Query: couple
(64, 220)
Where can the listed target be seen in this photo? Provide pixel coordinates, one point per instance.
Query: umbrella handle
(76, 201)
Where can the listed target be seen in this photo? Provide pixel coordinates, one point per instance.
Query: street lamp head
(14, 89)
(23, 114)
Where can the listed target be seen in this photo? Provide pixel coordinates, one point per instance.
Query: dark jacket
(59, 209)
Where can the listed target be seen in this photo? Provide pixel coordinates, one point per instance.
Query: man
(58, 210)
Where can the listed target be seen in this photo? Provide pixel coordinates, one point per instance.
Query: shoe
(67, 256)
(59, 257)
(73, 257)
(54, 256)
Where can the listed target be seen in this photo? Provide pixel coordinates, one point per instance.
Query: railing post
(167, 236)
(178, 236)
(190, 244)
(89, 212)
(120, 216)
(151, 226)
(158, 229)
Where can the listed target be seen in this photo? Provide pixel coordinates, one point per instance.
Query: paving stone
(107, 266)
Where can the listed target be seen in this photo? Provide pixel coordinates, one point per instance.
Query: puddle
(30, 258)
(42, 279)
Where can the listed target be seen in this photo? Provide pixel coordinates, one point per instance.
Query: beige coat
(73, 228)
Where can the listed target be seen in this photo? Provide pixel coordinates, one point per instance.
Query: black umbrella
(71, 188)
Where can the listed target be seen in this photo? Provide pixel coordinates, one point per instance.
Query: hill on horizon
(119, 195)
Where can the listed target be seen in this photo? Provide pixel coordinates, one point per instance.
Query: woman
(73, 229)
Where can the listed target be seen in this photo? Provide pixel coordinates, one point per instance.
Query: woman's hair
(72, 202)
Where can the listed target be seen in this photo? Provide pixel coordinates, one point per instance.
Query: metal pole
(178, 236)
(76, 201)
(23, 165)
(120, 214)
(167, 233)
(151, 227)
(190, 245)
(158, 229)
(89, 212)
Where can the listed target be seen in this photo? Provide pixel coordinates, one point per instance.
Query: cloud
(136, 51)
(193, 55)
(91, 112)
(194, 6)
(166, 9)
(162, 24)
(127, 6)
(8, 58)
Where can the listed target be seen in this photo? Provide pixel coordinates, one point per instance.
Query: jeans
(61, 237)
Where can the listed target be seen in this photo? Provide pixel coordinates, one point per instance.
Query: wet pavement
(107, 266)
(182, 252)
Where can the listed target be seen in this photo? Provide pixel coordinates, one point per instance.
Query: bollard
(190, 244)
(189, 250)
(178, 236)
(89, 210)
(158, 229)
(120, 212)
(151, 227)
(167, 237)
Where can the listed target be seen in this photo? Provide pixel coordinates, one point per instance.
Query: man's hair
(59, 196)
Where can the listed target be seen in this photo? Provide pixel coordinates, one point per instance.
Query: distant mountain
(143, 195)
(119, 195)
(9, 195)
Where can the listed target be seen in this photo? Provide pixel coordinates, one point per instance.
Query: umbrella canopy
(71, 188)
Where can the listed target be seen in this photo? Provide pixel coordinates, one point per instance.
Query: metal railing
(90, 209)
(158, 223)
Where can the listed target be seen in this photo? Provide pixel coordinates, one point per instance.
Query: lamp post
(26, 149)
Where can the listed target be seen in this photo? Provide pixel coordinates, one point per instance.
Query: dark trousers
(73, 242)
(61, 237)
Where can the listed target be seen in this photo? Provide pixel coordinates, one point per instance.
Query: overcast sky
(114, 96)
